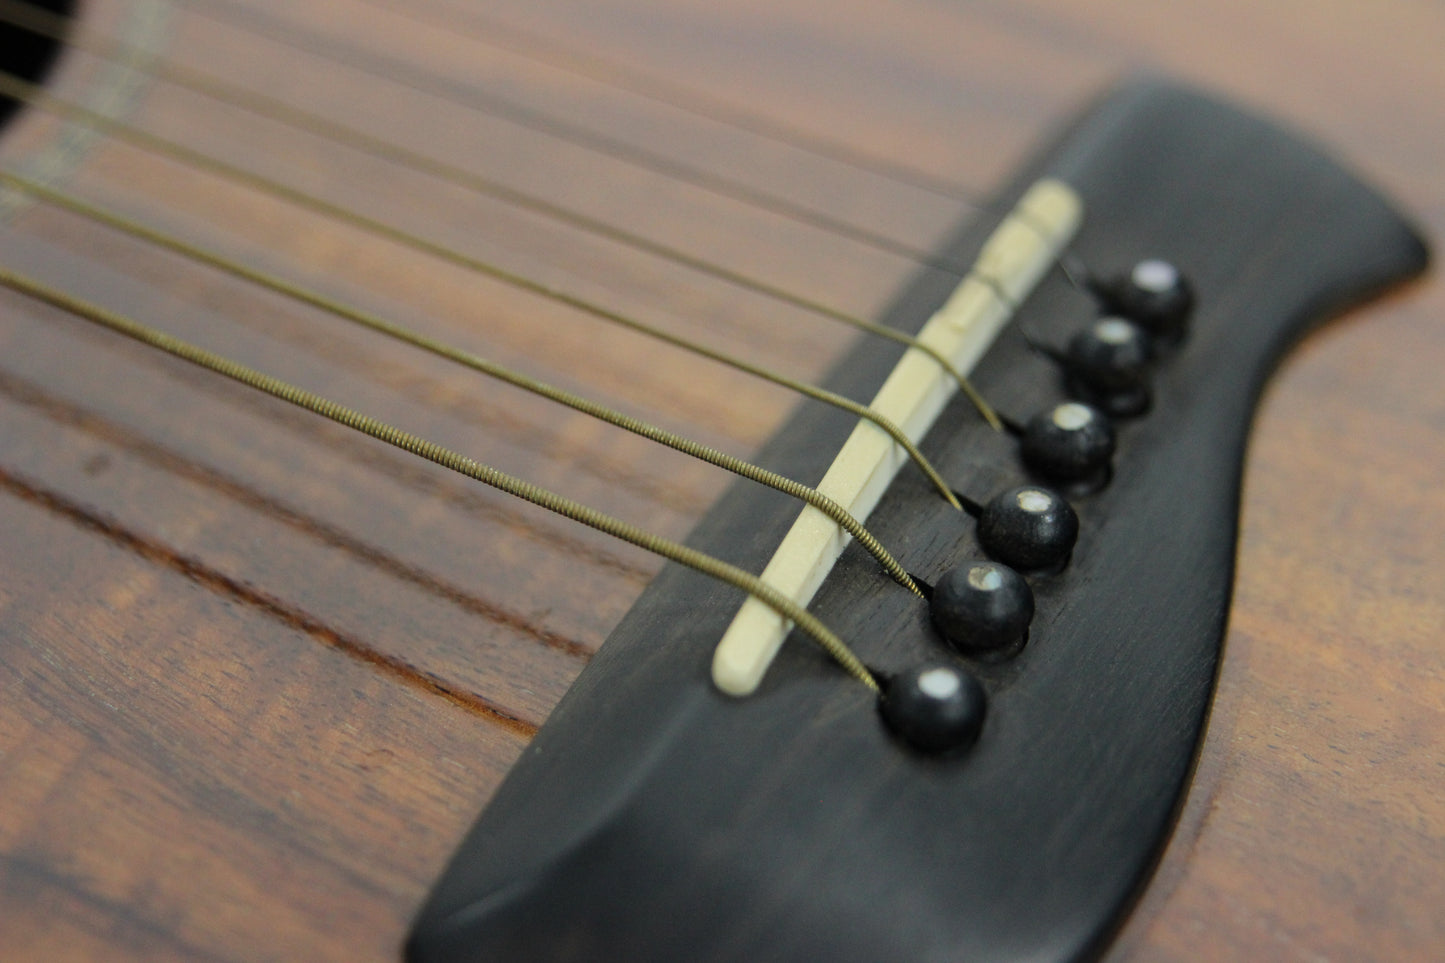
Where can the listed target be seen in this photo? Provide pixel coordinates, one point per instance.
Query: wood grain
(260, 675)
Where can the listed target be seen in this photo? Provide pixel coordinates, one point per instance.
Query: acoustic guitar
(262, 672)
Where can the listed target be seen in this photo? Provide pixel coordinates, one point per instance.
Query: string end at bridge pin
(1012, 261)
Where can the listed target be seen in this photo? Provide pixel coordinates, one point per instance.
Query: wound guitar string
(447, 458)
(13, 12)
(13, 86)
(406, 335)
(358, 140)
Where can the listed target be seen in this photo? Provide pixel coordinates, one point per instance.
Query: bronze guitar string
(151, 143)
(667, 549)
(638, 426)
(375, 146)
(53, 26)
(208, 85)
(448, 458)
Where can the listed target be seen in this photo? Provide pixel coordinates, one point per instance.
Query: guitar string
(522, 42)
(322, 47)
(425, 449)
(1074, 270)
(448, 458)
(14, 87)
(299, 38)
(829, 508)
(637, 426)
(53, 26)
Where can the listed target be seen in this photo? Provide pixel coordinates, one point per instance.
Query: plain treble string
(493, 32)
(475, 99)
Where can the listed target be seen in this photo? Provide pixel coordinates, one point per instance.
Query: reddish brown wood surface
(259, 675)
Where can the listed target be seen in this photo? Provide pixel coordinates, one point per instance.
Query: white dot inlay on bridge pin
(1072, 416)
(985, 578)
(1034, 501)
(1154, 276)
(940, 683)
(1114, 331)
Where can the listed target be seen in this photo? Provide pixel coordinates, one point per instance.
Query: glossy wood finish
(260, 675)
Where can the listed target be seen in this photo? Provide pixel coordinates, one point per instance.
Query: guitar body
(259, 675)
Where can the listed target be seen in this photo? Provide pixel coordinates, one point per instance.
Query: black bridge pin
(1030, 528)
(983, 607)
(1070, 442)
(1156, 295)
(934, 707)
(1107, 364)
